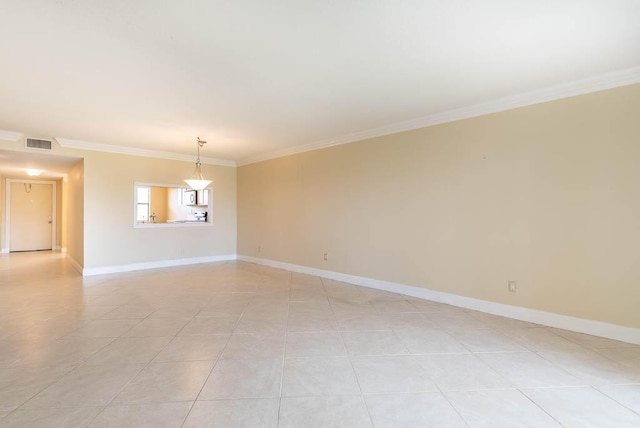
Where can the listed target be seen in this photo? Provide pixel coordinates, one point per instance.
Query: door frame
(54, 228)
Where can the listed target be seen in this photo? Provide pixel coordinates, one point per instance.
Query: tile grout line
(216, 360)
(362, 396)
(137, 374)
(539, 407)
(455, 409)
(284, 352)
(614, 399)
(80, 363)
(598, 364)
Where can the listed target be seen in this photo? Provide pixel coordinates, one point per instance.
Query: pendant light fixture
(197, 181)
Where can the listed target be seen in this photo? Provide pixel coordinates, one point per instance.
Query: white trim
(134, 151)
(74, 263)
(565, 90)
(10, 135)
(602, 82)
(63, 250)
(100, 270)
(581, 325)
(4, 251)
(7, 235)
(173, 224)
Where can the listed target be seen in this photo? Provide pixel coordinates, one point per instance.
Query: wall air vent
(38, 143)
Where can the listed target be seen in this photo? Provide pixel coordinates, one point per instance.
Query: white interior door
(31, 216)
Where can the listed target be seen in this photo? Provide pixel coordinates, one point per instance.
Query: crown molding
(133, 151)
(602, 82)
(10, 135)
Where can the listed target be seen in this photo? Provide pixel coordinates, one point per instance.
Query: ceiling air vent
(37, 143)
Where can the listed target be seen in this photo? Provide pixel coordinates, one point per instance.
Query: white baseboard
(57, 249)
(74, 263)
(550, 319)
(100, 270)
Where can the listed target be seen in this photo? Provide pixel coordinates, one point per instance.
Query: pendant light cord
(200, 144)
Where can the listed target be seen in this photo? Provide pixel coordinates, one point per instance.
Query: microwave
(189, 197)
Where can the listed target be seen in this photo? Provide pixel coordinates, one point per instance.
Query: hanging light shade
(197, 181)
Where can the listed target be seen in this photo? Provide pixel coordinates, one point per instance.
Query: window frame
(138, 203)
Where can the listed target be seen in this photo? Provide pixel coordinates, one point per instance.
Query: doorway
(31, 219)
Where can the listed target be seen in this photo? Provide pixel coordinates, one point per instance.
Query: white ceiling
(254, 76)
(13, 164)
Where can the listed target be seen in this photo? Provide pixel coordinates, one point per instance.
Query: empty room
(319, 214)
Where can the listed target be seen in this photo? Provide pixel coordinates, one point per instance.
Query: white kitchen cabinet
(203, 197)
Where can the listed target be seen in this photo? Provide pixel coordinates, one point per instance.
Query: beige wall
(159, 203)
(59, 216)
(63, 219)
(3, 182)
(74, 212)
(111, 239)
(547, 195)
(98, 197)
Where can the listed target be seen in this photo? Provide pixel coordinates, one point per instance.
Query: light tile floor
(240, 345)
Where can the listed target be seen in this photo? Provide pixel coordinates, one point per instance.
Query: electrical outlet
(512, 286)
(326, 256)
